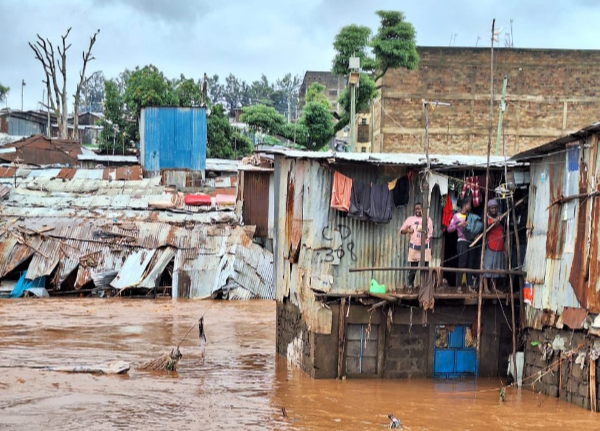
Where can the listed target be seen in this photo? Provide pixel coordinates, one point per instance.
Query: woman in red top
(494, 250)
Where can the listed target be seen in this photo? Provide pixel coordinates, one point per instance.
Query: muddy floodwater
(242, 383)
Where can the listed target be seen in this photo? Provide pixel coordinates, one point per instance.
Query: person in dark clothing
(467, 255)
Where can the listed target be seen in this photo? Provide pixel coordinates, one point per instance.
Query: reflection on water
(241, 384)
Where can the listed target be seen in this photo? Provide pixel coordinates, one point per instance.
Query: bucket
(376, 287)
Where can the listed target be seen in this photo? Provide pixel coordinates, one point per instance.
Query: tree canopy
(393, 46)
(3, 92)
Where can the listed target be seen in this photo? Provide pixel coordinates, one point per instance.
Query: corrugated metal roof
(222, 165)
(133, 269)
(402, 159)
(101, 158)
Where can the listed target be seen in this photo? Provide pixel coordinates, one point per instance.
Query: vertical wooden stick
(341, 338)
(593, 396)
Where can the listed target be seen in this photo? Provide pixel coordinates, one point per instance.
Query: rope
(195, 323)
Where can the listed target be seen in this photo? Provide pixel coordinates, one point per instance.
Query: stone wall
(294, 337)
(567, 380)
(549, 93)
(407, 352)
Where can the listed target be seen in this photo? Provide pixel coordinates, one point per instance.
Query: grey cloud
(171, 11)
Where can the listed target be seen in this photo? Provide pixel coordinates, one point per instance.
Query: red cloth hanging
(340, 192)
(447, 213)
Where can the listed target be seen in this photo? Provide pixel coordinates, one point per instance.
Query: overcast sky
(248, 37)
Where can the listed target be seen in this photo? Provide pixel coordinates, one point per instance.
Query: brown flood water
(242, 384)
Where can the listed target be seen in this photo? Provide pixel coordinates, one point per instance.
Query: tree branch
(82, 81)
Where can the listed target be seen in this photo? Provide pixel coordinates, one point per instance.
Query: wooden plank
(593, 396)
(341, 337)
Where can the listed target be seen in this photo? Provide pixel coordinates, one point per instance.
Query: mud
(241, 384)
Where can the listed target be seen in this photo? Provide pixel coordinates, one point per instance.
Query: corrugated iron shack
(329, 323)
(173, 138)
(112, 231)
(562, 290)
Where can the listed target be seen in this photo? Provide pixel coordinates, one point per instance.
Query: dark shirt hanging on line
(400, 192)
(380, 210)
(360, 200)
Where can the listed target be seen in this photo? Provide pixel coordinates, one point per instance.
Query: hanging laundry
(441, 181)
(471, 184)
(340, 192)
(360, 200)
(380, 210)
(448, 212)
(392, 184)
(400, 192)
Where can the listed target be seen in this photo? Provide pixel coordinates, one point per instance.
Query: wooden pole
(442, 269)
(487, 185)
(341, 337)
(593, 396)
(518, 246)
(425, 192)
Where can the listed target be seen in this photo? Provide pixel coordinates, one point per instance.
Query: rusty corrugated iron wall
(563, 258)
(256, 201)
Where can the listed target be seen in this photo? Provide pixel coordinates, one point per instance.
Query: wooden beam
(593, 396)
(341, 338)
(442, 269)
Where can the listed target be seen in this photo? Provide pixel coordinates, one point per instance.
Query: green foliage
(316, 93)
(394, 44)
(367, 91)
(3, 92)
(224, 142)
(148, 87)
(263, 118)
(318, 122)
(187, 92)
(113, 123)
(92, 93)
(352, 41)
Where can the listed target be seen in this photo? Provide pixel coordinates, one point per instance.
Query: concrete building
(329, 323)
(561, 318)
(550, 93)
(334, 85)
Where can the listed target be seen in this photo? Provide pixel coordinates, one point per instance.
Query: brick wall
(549, 94)
(407, 352)
(568, 381)
(294, 337)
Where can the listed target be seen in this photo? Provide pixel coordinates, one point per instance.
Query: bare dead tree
(44, 53)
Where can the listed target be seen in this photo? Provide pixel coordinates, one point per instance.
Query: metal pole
(501, 114)
(425, 191)
(22, 91)
(485, 206)
(352, 117)
(48, 110)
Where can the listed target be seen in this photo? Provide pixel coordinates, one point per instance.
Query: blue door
(454, 352)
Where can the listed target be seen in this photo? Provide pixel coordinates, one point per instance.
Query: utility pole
(353, 80)
(487, 185)
(22, 92)
(425, 183)
(501, 114)
(49, 126)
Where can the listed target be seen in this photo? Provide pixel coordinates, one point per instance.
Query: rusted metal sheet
(572, 317)
(537, 224)
(256, 201)
(123, 173)
(66, 173)
(295, 198)
(7, 172)
(555, 232)
(132, 271)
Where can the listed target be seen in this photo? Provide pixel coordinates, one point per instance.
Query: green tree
(114, 122)
(393, 46)
(3, 92)
(92, 93)
(146, 87)
(263, 118)
(316, 93)
(318, 124)
(187, 92)
(224, 142)
(215, 90)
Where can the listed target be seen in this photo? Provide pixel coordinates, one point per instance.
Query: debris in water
(166, 362)
(395, 422)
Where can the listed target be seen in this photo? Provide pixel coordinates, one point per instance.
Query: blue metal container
(173, 138)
